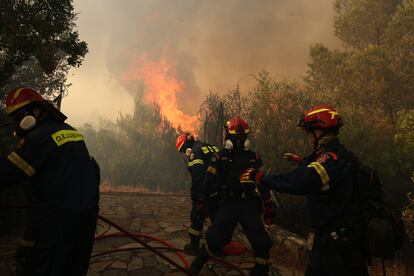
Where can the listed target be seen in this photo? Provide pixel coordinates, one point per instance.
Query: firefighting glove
(201, 208)
(269, 211)
(251, 176)
(292, 158)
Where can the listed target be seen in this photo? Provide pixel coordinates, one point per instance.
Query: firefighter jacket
(198, 162)
(228, 167)
(325, 177)
(54, 157)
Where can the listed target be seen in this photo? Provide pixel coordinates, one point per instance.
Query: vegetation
(370, 81)
(38, 44)
(405, 136)
(138, 150)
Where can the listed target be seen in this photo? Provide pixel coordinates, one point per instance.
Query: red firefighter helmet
(20, 97)
(320, 117)
(237, 125)
(24, 96)
(182, 140)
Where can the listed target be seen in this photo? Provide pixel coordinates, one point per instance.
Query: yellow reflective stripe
(12, 108)
(247, 130)
(322, 173)
(262, 261)
(333, 114)
(205, 150)
(196, 161)
(21, 164)
(318, 111)
(63, 136)
(212, 170)
(17, 93)
(195, 232)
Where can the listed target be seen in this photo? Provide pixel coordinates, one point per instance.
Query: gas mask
(26, 120)
(237, 142)
(185, 155)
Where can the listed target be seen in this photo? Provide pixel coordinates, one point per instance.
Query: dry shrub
(107, 187)
(408, 214)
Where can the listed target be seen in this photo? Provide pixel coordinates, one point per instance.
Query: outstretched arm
(311, 179)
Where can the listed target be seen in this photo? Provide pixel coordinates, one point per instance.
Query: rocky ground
(163, 217)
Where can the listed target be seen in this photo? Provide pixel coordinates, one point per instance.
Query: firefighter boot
(197, 264)
(193, 248)
(260, 270)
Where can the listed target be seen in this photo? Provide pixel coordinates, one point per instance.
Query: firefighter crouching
(197, 158)
(53, 158)
(325, 176)
(239, 204)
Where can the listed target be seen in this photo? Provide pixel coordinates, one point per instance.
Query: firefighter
(197, 158)
(325, 176)
(239, 204)
(53, 158)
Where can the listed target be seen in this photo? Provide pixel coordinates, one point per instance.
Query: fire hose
(147, 246)
(168, 247)
(137, 237)
(140, 235)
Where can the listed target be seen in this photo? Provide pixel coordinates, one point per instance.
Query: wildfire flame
(162, 86)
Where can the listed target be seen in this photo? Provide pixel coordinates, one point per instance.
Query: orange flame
(161, 86)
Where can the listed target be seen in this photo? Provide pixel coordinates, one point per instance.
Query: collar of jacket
(329, 144)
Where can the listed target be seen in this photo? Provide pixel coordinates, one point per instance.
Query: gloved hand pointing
(292, 158)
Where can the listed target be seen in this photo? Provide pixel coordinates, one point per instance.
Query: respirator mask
(25, 121)
(237, 142)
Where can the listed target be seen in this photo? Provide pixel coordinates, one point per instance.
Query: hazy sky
(204, 44)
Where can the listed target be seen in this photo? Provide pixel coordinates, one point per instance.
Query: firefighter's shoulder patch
(322, 158)
(191, 156)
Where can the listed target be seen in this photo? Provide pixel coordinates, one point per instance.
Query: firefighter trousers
(62, 247)
(243, 211)
(339, 257)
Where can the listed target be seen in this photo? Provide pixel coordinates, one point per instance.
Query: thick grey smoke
(214, 43)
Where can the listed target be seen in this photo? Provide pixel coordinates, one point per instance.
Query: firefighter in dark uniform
(197, 158)
(54, 159)
(240, 204)
(325, 176)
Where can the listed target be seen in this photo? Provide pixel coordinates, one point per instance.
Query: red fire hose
(169, 247)
(143, 243)
(216, 260)
(140, 235)
(137, 237)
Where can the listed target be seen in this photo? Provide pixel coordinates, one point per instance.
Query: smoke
(213, 44)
